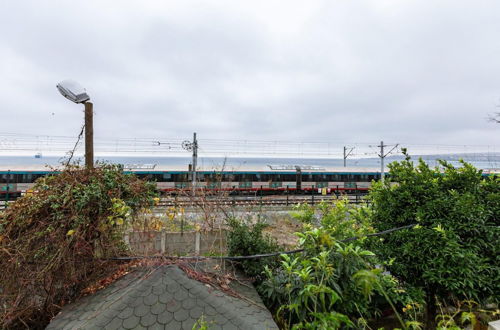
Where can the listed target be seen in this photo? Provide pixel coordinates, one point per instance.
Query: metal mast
(192, 146)
(346, 154)
(382, 157)
(195, 161)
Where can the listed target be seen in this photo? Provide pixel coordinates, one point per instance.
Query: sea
(490, 162)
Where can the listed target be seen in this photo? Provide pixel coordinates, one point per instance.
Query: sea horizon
(480, 161)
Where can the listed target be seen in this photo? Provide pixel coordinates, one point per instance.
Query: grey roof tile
(158, 308)
(188, 303)
(151, 300)
(220, 319)
(181, 315)
(174, 325)
(114, 324)
(165, 317)
(148, 320)
(127, 312)
(188, 284)
(209, 310)
(188, 324)
(180, 294)
(173, 287)
(139, 301)
(165, 298)
(131, 322)
(196, 312)
(230, 326)
(141, 310)
(174, 306)
(157, 326)
(158, 289)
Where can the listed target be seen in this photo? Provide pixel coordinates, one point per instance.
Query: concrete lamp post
(74, 92)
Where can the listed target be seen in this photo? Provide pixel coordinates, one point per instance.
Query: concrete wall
(177, 244)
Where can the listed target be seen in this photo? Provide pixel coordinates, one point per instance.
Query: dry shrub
(53, 242)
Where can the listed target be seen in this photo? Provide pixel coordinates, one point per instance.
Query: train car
(268, 179)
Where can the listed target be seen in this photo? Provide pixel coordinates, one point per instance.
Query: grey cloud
(330, 71)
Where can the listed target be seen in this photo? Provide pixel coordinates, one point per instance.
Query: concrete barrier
(176, 243)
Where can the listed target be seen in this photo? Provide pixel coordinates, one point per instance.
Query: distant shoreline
(482, 161)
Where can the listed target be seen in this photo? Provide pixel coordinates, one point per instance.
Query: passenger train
(269, 179)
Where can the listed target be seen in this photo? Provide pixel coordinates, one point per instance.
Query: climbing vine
(53, 242)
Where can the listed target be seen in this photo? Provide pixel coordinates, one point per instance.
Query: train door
(298, 179)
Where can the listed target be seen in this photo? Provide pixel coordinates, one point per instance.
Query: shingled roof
(164, 298)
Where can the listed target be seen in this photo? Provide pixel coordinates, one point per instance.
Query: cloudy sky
(414, 72)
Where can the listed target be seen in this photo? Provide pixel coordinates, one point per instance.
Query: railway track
(220, 201)
(252, 201)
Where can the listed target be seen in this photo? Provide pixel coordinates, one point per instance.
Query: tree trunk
(430, 310)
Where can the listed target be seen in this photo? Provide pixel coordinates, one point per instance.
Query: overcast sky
(335, 71)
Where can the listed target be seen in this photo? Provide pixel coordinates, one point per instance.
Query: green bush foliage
(52, 241)
(453, 252)
(246, 239)
(339, 219)
(331, 284)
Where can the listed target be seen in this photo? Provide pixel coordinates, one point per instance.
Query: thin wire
(71, 153)
(257, 256)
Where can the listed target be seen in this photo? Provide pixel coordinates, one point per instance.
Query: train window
(362, 177)
(228, 177)
(333, 177)
(27, 178)
(320, 178)
(35, 177)
(167, 177)
(179, 177)
(307, 177)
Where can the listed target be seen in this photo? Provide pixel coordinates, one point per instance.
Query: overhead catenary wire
(12, 143)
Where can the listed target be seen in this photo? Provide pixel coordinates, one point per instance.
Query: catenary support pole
(346, 154)
(382, 156)
(195, 161)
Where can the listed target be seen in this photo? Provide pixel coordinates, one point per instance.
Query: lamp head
(73, 91)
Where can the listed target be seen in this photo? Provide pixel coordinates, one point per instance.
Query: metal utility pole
(346, 154)
(382, 157)
(192, 146)
(89, 135)
(195, 161)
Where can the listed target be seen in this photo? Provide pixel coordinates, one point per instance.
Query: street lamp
(74, 92)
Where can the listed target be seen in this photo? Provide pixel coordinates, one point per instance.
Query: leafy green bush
(340, 219)
(331, 284)
(52, 241)
(453, 252)
(246, 239)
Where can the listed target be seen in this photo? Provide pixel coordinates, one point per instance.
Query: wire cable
(257, 256)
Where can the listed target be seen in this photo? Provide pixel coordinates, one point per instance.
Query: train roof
(152, 168)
